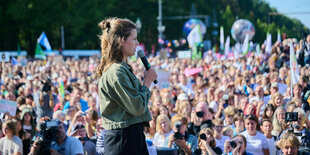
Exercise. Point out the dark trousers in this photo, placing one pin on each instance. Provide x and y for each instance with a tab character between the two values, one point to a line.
130	140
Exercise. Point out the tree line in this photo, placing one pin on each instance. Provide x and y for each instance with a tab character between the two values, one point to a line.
22	21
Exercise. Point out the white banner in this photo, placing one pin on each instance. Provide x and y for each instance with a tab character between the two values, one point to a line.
8	106
163	78
184	54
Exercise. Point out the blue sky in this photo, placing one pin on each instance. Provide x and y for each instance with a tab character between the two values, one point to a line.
287	6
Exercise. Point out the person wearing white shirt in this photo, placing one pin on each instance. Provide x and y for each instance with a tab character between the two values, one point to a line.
267	127
256	141
218	133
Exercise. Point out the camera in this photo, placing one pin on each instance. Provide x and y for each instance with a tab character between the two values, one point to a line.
233	144
291	116
47	134
48	130
178	135
203	136
47	86
200	114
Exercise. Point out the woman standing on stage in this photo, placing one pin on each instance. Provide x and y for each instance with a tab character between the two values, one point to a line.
123	99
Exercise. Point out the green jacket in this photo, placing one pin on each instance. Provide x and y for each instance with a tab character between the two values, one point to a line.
123	100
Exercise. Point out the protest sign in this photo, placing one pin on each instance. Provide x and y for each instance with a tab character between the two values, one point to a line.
8	106
163	78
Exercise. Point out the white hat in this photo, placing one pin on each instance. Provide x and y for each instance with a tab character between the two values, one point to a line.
182	96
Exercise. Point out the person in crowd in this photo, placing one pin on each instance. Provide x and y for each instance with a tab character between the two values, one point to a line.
79	133
218	133
199	116
266	127
70	114
64	144
298	126
76	100
268	112
180	139
207	144
23	135
238	124
10	144
163	130
229	112
278	121
28	121
81	118
100	137
256	141
240	148
277	100
289	144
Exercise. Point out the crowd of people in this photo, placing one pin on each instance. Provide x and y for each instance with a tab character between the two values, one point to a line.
233	106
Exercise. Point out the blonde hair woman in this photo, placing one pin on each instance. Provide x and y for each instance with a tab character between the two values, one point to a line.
163	130
278	121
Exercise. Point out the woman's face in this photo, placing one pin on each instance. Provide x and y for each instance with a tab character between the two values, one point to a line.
250	126
250	109
281	115
6	131
164	125
240	142
27	117
163	110
269	112
239	123
278	101
130	44
186	111
18	126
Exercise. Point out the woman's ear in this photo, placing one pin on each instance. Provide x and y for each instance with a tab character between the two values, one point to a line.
121	41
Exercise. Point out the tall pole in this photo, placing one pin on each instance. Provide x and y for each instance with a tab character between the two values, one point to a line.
62	38
3	67
160	20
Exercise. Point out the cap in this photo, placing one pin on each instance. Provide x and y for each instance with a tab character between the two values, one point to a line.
182	96
275	84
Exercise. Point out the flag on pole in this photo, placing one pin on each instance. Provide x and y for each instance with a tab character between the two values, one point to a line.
227	47
245	46
39	52
257	49
222	38
279	36
14	61
194	36
62	89
42	40
268	44
293	65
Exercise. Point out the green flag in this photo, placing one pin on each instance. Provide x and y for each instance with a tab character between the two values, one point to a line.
39	53
62	89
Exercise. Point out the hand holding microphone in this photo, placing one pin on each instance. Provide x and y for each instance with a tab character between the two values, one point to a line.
150	75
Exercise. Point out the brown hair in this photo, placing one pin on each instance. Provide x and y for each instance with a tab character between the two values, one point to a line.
114	30
11	125
212	142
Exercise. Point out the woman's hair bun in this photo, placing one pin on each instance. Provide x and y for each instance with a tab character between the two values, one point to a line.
105	25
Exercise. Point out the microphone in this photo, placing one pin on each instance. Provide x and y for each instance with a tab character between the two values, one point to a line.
144	61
